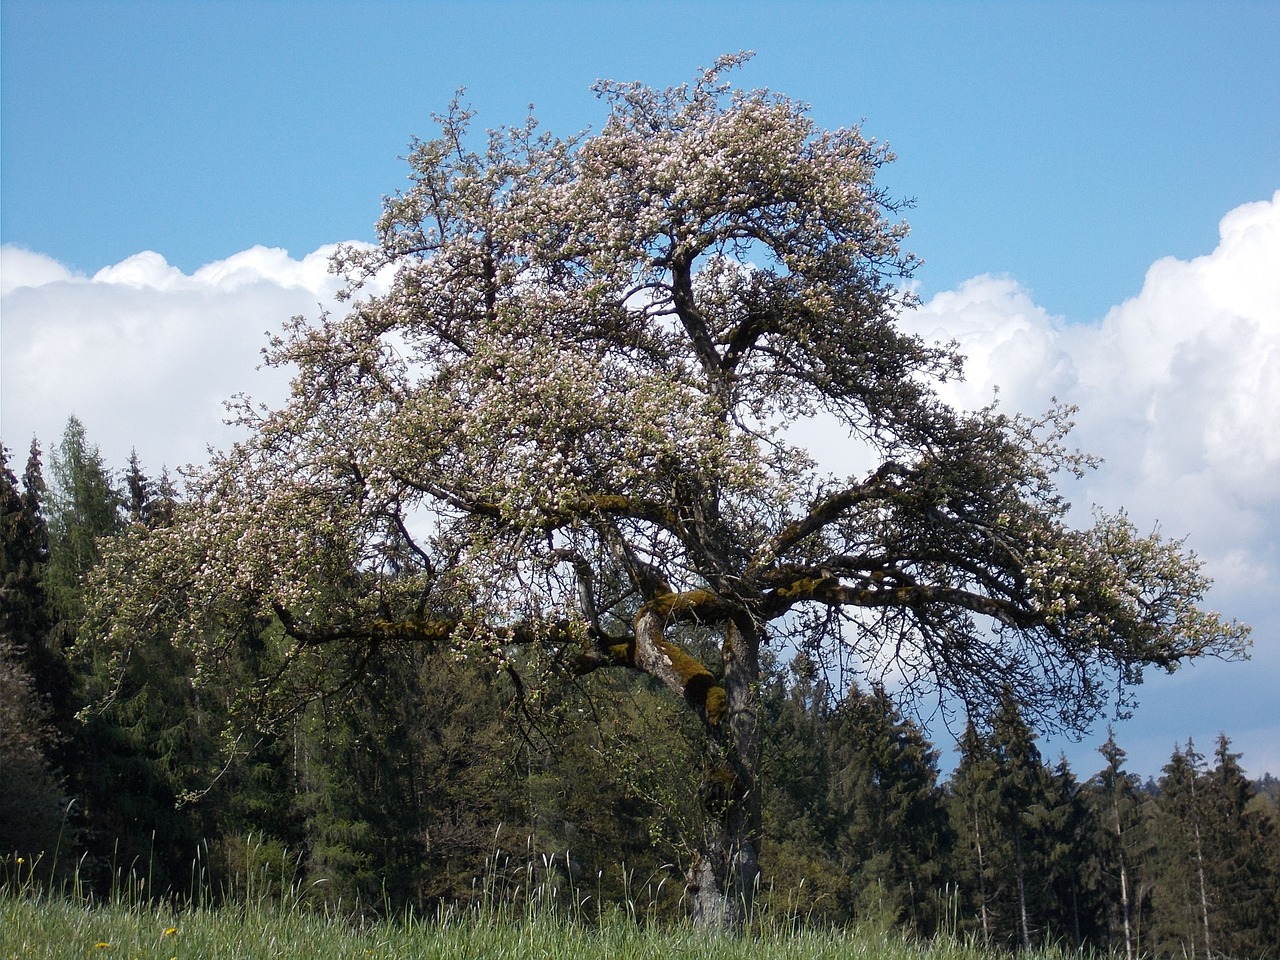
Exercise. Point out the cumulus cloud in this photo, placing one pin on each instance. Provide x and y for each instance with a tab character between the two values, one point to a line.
144	354
24	268
1178	390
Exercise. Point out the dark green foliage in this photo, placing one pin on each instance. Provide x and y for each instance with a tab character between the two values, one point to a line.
1021	849
1115	801
891	836
854	822
1180	888
405	783
31	795
1073	904
83	506
611	808
33	681
1238	840
134	751
26	616
148	502
979	850
803	875
1212	866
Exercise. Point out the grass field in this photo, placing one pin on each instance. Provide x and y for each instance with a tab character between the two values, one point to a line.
44	927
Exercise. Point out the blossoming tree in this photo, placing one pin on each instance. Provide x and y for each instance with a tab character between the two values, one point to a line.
562	439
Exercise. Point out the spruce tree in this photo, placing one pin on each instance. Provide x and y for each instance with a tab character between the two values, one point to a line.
1114	794
129	756
84	506
1065	831
1020	783
1015	822
26	616
803	875
1181	907
979	854
890	831
1246	917
32	681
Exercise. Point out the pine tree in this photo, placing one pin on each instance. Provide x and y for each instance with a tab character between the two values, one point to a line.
1014	822
1180	888
610	809
1246	914
1065	830
890	831
148	502
84	506
31	679
409	785
802	875
128	758
1114	795
979	851
1019	774
26	616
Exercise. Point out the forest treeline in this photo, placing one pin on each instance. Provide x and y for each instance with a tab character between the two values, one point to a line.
422	781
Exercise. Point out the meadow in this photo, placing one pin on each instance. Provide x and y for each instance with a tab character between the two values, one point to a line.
34	927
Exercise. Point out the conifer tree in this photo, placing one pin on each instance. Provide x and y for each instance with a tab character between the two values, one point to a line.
610	811
1180	883
32	680
1015	822
24	550
1065	830
130	756
1118	817
890	828
979	852
1246	913
802	873
1020	787
84	506
26	615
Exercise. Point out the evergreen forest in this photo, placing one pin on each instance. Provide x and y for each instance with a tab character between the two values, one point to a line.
415	780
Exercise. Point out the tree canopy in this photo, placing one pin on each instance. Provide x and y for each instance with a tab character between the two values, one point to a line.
561	442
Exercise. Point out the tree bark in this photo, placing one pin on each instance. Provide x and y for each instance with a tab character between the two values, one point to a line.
722	881
1024	927
1124	882
982	882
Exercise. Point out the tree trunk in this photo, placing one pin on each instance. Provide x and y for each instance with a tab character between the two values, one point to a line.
1199	859
1024	927
722	881
982	882
1124	883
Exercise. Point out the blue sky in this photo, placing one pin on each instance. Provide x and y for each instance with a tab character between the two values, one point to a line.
1033	135
1078	169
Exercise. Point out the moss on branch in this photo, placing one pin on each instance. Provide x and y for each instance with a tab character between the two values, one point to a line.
674	665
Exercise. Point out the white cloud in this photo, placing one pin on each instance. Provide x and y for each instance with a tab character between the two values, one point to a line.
144	354
25	268
1179	391
1178	387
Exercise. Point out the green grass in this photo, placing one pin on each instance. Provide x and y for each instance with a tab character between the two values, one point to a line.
36	926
